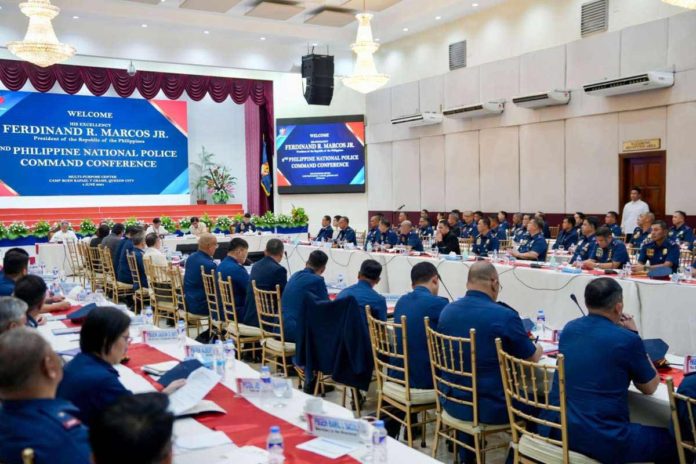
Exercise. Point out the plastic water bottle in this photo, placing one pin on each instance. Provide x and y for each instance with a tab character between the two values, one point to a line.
541	323
181	331
274	446
368	247
230	355
495	256
340	280
56	289
55	272
627	270
266	386
219	358
379	443
553	262
149	316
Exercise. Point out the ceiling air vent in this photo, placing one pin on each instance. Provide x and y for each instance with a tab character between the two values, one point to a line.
594	18
457	55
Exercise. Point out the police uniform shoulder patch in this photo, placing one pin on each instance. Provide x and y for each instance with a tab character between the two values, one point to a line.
71	423
664	252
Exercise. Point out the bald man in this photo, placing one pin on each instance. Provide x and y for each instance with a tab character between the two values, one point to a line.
31	416
641	234
12	313
193	280
479	310
409	237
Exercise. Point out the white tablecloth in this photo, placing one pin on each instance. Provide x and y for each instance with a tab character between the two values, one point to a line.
53	255
256	242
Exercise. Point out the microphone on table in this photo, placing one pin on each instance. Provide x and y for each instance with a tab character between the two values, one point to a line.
445	286
575	300
288	260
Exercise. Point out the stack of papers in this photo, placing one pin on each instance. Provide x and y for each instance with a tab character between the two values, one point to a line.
198	385
209	439
331	449
160	368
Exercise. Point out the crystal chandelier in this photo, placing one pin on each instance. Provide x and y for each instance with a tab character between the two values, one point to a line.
40	45
365	77
690	4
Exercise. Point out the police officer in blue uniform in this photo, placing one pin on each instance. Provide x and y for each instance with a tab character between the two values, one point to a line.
660	251
611	220
534	246
307	283
587	241
124	273
503	225
364	293
479	310
15	264
346	234
31	289
326	232
194	292
268	273
546	231
468	228
245	226
603	355
568	236
425	229
607	253
521	232
30	415
486	242
579	219
387	238
641	234
232	267
373	233
680	232
687	388
408	237
124	247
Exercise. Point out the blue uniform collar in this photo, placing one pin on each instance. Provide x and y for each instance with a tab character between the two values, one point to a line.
364	283
536	235
232	260
36	403
421	289
99	361
478	294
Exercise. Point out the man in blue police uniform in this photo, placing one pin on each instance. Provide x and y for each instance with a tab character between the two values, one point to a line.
425	229
194	292
387	238
468	228
408	237
456	226
233	267
607	253
123	248
611	220
373	233
516	224
422	302
503	225
568	236
521	233
534	246
579	219
660	251
364	293
479	310
680	232
31	289
486	242
686	388
641	234
546	231
124	273
603	355
245	226
445	240
307	283
31	416
496	230
346	234
15	264
268	273
587	241
326	232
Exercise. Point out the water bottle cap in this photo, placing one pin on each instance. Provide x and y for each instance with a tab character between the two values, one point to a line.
265	369
275	429
379	424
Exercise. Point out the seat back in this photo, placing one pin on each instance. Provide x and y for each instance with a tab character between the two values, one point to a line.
268	309
554	231
83	251
133	267
505	244
389	355
177	282
211	294
686	258
448	358
684	404
528	384
229	308
161	290
74	255
107	264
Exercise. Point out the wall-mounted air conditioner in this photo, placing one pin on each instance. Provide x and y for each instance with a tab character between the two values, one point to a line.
540	100
475	111
639	83
420	119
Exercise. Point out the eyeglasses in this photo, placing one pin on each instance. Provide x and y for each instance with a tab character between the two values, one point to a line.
127	338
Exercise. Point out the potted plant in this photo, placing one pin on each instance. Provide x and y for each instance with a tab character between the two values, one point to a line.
168	224
198	174
17	229
220	184
3	231
41	229
223	224
184	225
87	228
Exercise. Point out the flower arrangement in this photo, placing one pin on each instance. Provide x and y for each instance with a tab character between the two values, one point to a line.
41	229
207	220
299	217
17	229
268	220
87	227
168	224
224	223
220	184
184	224
284	220
109	222
133	221
3	231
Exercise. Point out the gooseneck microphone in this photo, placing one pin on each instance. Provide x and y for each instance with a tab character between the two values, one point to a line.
401	207
445	286
575	300
288	260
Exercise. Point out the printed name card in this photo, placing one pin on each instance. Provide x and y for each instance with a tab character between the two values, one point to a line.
689	364
160	336
249	386
334	427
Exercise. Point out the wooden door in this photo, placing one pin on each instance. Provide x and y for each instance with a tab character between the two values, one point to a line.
647	171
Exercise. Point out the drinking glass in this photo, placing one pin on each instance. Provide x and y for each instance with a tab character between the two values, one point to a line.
280	387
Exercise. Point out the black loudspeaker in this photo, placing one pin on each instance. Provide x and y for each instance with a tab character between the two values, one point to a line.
319	72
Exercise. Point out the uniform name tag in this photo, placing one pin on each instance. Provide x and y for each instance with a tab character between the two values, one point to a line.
689	364
249	386
160	336
334	427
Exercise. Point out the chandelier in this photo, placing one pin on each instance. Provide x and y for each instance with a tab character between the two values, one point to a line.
40	45
690	4
365	77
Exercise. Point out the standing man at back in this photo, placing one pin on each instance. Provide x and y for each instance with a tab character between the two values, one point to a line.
267	273
633	209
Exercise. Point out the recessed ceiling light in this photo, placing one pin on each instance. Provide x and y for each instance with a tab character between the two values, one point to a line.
143	25
75	17
474	5
405	29
315	45
377	39
263	38
206	32
437	18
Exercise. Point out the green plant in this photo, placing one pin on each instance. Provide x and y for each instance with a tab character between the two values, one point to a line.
220	183
283	220
223	223
3	231
87	227
184	224
299	217
168	224
266	221
199	170
238	218
17	229
132	221
207	220
41	229
109	222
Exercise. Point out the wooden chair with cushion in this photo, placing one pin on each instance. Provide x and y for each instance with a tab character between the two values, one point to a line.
554	231
198	321
448	359
393	386
528	384
275	350
77	265
686	258
162	296
217	323
683	445
97	279
141	296
112	286
246	338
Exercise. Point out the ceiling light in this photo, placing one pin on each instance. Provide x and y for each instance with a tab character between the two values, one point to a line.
40	45
474	5
365	77
206	32
263	38
75	17
437	18
405	29
143	25
690	4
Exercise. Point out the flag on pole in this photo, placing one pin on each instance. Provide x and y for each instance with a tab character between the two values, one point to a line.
266	181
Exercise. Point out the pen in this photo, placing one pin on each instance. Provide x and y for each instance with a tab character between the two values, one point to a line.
537	339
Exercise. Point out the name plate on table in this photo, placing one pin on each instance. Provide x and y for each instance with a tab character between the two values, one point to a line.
160	336
66	331
249	386
689	364
334	427
138	321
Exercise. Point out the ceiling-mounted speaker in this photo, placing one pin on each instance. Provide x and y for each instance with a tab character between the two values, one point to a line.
319	72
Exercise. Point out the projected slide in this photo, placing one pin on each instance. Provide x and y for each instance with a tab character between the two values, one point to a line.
320	155
52	144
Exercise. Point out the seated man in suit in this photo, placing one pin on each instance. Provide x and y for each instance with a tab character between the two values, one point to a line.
193	280
597	381
373	233
233	267
547	231
568	236
611	221
124	272
659	251
587	241
363	290
346	234
408	237
446	241
641	234
533	247
607	253
386	237
479	310
267	273
680	232
307	283
326	232
486	242
245	226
